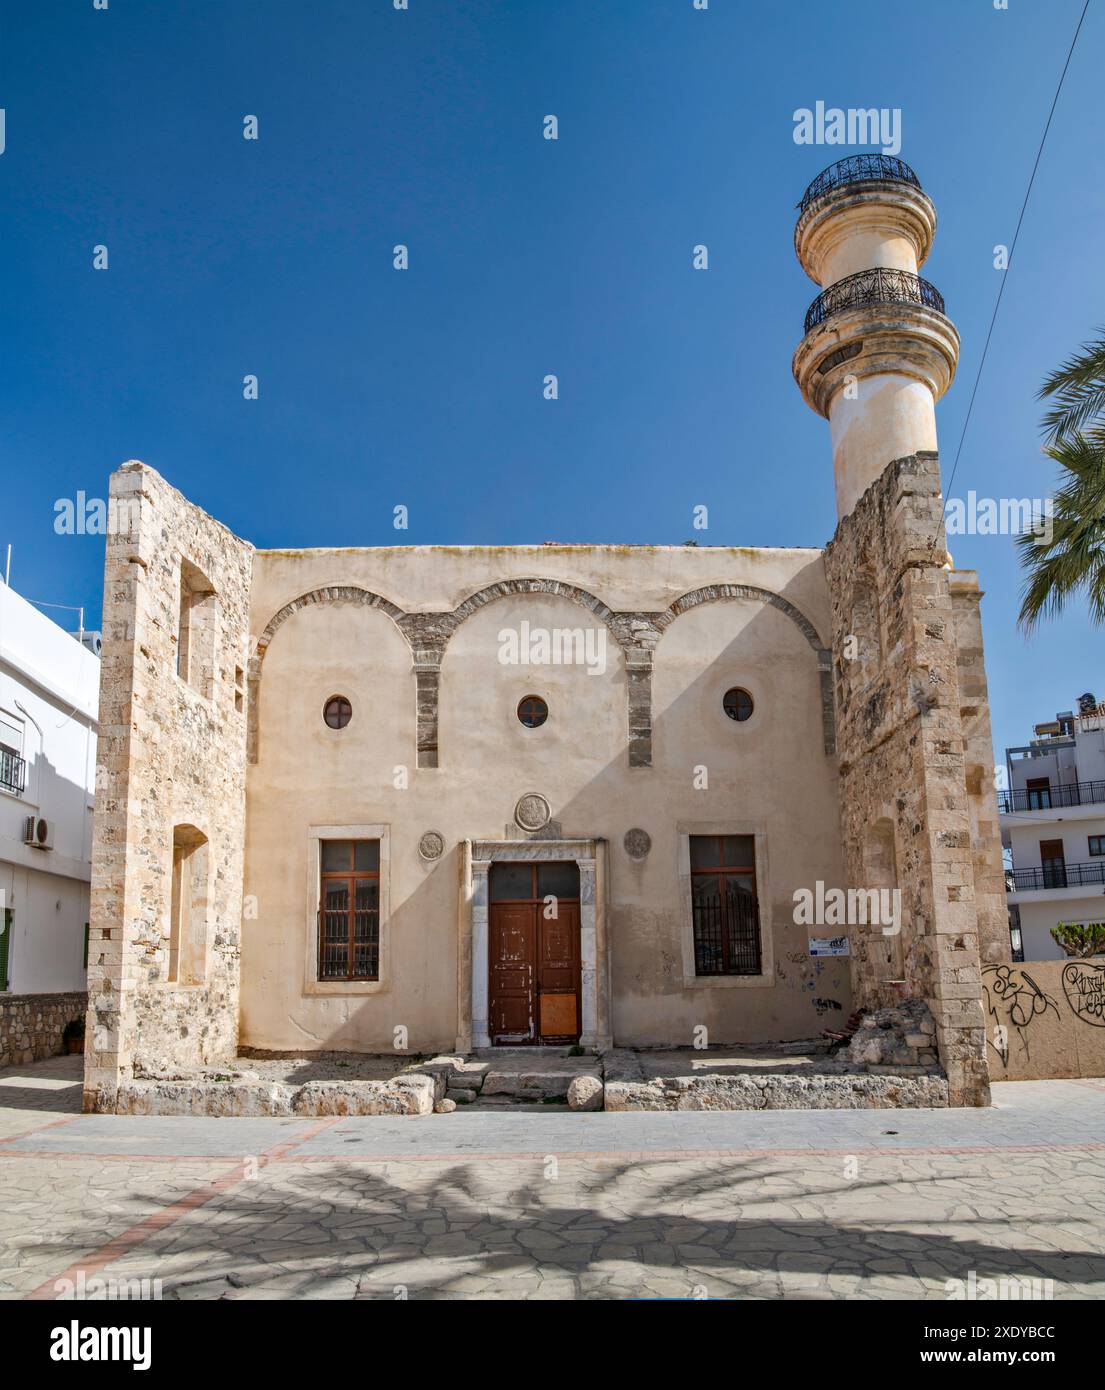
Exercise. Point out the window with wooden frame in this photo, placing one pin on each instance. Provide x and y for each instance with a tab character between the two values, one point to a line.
724	907
532	711
349	910
737	704
1039	793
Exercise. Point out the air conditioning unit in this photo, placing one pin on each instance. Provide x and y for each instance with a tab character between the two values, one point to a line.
38	831
92	641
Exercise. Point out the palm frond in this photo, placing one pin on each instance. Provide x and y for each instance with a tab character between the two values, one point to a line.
1078	388
1072	558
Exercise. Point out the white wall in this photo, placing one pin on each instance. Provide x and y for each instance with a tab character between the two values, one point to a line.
49	686
1058	766
1037	920
1090	749
1070	826
1082	761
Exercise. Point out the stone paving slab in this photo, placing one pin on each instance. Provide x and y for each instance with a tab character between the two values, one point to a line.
762	1227
827	1204
56	1213
159	1136
1027	1115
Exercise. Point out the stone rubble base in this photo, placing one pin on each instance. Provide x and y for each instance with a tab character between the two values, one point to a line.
619	1080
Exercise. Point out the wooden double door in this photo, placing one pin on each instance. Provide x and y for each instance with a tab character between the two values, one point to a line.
533	955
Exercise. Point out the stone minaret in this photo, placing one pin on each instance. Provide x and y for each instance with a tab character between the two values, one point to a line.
878	352
918	811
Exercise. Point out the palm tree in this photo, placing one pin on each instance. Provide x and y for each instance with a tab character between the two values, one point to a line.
1079	390
1072	557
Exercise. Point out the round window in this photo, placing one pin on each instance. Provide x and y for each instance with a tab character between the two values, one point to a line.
737	704
533	711
337	712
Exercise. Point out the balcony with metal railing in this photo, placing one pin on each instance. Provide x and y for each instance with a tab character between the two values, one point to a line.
1055	875
1051	798
13	771
859	168
878	286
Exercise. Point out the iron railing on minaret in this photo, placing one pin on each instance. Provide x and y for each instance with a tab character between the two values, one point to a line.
859	168
877	286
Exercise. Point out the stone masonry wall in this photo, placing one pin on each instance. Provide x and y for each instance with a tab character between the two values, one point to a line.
991	911
171	753
906	817
31	1025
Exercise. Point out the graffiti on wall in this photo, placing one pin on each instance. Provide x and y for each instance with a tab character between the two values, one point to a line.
1084	986
1014	1000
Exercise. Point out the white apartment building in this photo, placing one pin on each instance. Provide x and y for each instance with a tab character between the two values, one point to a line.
49	691
1053	822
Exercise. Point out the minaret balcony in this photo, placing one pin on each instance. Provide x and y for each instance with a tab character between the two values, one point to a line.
877	286
858	168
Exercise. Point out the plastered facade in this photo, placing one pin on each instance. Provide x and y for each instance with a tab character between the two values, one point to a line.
751	626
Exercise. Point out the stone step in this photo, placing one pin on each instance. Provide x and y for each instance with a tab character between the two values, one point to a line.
537	1078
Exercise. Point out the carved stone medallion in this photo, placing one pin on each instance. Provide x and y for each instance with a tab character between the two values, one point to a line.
432	845
533	812
637	843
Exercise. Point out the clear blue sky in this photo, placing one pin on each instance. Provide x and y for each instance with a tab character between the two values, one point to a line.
423	388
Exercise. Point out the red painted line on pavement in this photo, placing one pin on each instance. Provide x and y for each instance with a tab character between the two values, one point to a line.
112	1157
280	1153
36	1129
159	1220
858	1150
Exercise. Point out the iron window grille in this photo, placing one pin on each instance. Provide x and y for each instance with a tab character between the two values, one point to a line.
724	907
349	910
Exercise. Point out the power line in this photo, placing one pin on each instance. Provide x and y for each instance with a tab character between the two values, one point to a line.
1013	247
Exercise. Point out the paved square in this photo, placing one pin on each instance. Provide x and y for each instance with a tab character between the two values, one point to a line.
761	1204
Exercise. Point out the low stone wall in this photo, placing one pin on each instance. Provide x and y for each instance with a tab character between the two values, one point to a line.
617	1080
1045	1019
31	1025
855	1091
230	1095
835	1085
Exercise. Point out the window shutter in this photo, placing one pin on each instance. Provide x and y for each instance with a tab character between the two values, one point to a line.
5	942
